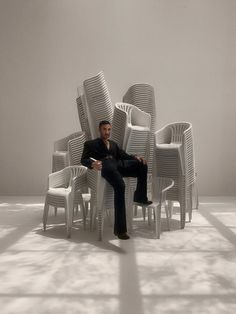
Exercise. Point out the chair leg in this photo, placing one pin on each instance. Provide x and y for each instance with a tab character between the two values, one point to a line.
144	212
170	208
196	195
45	215
86	208
182	215
69	215
77	209
158	221
82	206
100	223
190	202
129	212
149	216
93	215
129	205
167	216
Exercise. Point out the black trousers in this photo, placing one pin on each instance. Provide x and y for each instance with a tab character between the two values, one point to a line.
114	172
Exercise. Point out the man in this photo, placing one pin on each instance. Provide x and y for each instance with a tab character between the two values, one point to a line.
114	163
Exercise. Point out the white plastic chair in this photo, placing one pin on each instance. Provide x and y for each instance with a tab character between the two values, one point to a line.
62	186
174	158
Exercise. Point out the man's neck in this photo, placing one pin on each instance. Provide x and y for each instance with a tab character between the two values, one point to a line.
106	141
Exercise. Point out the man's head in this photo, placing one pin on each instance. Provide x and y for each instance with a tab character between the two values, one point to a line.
105	129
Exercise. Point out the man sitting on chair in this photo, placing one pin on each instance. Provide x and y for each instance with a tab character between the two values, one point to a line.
114	163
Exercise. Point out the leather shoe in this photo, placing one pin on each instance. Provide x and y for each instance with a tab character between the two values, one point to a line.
147	202
122	236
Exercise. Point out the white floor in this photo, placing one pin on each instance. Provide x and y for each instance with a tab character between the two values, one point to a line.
186	271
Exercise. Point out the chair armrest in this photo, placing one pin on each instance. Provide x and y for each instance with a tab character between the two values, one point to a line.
79	182
57	179
165	190
140	118
163	136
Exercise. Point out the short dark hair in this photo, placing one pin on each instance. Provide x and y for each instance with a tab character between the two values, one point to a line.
103	122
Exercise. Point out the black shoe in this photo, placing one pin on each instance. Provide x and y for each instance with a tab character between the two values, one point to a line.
147	202
122	236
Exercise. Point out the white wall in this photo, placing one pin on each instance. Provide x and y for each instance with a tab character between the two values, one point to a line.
185	48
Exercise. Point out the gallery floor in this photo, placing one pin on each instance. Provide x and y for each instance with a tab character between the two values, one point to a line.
186	271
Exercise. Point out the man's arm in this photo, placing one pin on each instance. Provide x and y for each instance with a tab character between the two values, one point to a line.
85	159
123	155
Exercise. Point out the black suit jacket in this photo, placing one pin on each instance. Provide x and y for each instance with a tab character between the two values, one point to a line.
97	149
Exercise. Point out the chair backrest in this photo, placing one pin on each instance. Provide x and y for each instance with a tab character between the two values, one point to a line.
75	149
98	102
177	131
59	178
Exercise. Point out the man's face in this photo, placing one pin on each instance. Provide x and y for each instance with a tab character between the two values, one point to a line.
105	131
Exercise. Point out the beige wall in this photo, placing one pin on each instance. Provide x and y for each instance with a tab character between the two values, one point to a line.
185	48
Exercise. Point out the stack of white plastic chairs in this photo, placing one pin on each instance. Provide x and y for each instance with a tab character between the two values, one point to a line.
60	155
143	97
98	101
174	158
62	187
131	130
169	151
99	107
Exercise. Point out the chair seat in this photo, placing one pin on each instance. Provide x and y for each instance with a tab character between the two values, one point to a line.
139	128
60	153
59	191
169	146
154	204
86	197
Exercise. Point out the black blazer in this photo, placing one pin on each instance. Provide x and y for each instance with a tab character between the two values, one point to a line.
97	149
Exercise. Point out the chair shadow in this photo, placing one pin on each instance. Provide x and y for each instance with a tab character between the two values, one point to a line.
80	235
141	229
56	230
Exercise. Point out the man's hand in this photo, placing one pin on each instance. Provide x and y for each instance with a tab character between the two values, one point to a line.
97	165
141	159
